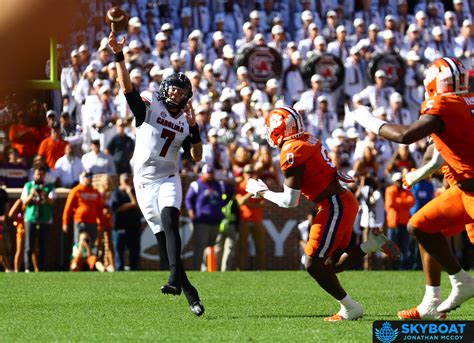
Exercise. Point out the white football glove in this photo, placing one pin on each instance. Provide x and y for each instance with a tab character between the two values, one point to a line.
410	179
255	187
368	120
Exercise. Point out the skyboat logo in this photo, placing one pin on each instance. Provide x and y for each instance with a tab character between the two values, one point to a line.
423	331
386	334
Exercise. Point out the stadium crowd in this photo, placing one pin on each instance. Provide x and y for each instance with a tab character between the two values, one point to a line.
87	128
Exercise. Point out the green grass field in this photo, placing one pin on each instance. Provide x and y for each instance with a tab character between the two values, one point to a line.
240	306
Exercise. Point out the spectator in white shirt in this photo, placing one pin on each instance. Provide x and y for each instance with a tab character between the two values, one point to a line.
244	109
421	23
359	31
84	86
175	67
194	47
278	39
319	47
391	25
310	97
378	95
339	47
254	18
293	83
413	41
68	168
135	33
168	30
233	19
464	45
71	133
329	31
303	31
396	113
324	120
247	38
269	95
413	81
404	18
98	162
228	75
160	55
450	27
438	47
215	50
461	11
243	79
156	76
355	79
184	28
389	42
306	45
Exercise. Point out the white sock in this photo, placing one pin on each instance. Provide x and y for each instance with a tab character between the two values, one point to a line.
433	291
460	276
432	294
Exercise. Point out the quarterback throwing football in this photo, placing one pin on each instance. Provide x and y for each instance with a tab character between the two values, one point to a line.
165	122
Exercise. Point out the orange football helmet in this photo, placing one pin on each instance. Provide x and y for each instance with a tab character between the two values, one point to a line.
446	75
283	123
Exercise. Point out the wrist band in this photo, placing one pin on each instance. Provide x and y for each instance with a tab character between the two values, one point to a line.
194	134
119	57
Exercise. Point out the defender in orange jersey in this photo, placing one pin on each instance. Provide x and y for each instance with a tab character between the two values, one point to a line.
447	115
309	171
427	308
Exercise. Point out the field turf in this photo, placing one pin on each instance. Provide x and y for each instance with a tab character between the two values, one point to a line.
284	306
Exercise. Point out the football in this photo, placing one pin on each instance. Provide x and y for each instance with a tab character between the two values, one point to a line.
116	19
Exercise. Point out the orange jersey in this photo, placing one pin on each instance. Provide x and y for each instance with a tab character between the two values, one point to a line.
455	142
319	171
85	204
52	150
249	212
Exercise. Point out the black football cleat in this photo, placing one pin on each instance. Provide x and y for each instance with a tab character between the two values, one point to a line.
170	289
197	308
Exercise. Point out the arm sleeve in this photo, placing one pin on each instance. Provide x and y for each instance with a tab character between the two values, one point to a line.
288	198
186	145
423	172
137	105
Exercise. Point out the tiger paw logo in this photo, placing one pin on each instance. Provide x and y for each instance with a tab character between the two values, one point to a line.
275	121
386	334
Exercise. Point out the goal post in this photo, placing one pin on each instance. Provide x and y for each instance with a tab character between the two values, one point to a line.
53	82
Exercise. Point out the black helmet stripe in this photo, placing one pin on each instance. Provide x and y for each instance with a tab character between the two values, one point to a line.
455	72
296	117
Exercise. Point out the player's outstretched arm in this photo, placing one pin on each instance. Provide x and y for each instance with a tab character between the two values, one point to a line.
290	197
434	162
122	73
405	134
195	136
